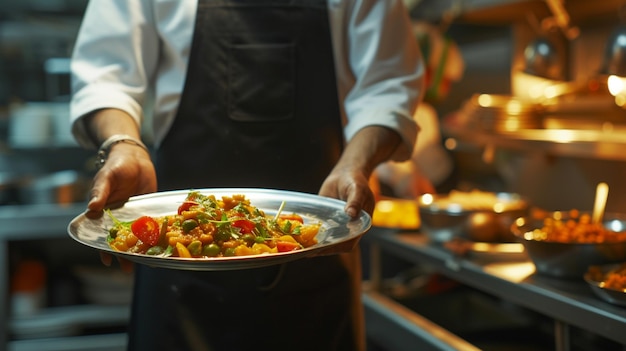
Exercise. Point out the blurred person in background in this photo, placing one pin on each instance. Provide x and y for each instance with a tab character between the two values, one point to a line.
430	168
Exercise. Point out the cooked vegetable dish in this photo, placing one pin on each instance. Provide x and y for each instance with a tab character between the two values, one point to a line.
576	228
614	279
205	226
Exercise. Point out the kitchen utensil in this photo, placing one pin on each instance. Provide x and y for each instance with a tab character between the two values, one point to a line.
568	259
339	233
602	192
476	215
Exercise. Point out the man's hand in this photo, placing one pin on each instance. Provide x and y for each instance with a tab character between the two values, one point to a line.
128	171
349	180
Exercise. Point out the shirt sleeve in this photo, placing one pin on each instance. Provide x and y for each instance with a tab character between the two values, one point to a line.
387	68
115	51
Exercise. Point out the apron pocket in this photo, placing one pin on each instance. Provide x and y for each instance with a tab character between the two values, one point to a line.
261	80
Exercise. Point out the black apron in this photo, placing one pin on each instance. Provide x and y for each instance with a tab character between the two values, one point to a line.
259	109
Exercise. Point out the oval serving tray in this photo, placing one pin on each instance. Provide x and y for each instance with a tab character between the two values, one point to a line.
339	233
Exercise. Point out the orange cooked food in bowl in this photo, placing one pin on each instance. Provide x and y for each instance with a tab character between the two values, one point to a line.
575	227
566	243
614	279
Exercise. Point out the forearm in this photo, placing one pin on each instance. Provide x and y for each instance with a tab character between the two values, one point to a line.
368	148
104	123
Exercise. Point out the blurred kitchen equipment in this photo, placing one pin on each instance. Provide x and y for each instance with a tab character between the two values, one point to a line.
615	53
30	125
602	192
28	288
63	187
560	19
568	259
541	58
105	286
8	188
396	213
477	216
502	113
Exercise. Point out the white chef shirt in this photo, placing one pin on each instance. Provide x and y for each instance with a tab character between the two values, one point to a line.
125	48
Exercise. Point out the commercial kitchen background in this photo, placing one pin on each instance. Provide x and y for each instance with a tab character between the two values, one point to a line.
44	174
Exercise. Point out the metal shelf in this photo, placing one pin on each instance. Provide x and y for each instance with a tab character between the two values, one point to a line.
567	302
593	144
108	342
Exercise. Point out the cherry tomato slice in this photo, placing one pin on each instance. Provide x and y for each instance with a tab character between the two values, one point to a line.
185	206
292	217
245	226
146	229
285	246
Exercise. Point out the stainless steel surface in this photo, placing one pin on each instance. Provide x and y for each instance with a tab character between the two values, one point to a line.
569	301
399	328
569	260
338	232
443	221
595	277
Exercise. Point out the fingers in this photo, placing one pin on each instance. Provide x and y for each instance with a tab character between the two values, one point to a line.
99	193
360	198
353	189
106	258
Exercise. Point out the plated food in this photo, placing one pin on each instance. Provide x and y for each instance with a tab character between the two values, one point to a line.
208	226
336	231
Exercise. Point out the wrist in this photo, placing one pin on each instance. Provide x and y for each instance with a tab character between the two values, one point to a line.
105	147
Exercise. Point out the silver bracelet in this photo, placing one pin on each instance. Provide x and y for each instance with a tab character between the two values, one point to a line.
105	148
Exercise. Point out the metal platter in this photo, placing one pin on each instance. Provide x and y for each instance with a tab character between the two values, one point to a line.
339	233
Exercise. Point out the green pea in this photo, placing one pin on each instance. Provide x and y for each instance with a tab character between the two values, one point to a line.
229	252
211	250
222	235
248	238
189	224
154	250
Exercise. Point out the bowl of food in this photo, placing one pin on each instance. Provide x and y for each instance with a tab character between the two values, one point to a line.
608	282
565	243
474	215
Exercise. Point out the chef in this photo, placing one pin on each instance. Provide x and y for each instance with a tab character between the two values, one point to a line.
302	95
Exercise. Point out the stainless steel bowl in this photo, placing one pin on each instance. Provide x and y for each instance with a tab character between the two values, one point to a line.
596	276
476	216
568	259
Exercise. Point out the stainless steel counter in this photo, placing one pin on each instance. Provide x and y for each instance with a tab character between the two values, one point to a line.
567	302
